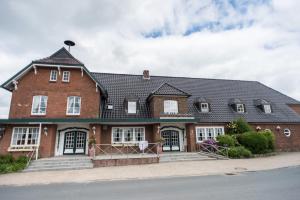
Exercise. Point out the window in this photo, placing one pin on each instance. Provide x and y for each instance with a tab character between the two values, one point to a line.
53	75
39	105
287	132
204	133
25	137
267	108
240	108
66	76
128	134
73	105
204	107
170	107
131	107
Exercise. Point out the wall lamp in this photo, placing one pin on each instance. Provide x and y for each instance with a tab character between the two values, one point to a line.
94	130
46	130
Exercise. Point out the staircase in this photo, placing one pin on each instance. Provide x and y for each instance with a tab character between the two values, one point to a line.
183	156
60	163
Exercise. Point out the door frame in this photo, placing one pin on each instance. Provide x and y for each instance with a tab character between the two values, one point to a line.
181	136
75	140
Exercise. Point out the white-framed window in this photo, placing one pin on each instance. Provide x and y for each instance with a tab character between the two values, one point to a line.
132	107
204	133
170	107
127	134
204	107
73	105
53	75
25	136
267	108
287	132
66	76
240	108
39	105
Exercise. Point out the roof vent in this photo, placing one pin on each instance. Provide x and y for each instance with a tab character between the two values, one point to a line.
109	107
146	75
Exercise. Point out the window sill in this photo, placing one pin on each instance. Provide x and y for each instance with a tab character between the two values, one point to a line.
125	144
21	148
38	115
68	115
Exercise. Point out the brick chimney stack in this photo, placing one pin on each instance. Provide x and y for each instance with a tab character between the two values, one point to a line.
146	75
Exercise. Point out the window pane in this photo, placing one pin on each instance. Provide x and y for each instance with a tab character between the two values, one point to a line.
117	135
210	133
73	105
53	75
128	134
39	104
139	134
218	131
204	107
132	107
240	108
170	107
267	108
200	134
35	104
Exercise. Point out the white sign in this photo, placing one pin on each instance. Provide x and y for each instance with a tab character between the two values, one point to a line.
143	145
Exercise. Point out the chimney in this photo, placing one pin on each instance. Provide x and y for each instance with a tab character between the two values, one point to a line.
146	75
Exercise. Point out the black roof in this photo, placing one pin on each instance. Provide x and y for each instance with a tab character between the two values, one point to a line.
219	92
168	89
62	56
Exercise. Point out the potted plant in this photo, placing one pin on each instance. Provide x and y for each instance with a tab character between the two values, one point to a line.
160	142
92	142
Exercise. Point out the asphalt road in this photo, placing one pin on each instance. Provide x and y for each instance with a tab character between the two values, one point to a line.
281	184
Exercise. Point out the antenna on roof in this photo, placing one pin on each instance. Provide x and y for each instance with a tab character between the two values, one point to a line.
69	43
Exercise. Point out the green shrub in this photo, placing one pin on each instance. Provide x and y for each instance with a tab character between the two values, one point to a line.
270	137
255	142
239	152
226	141
9	164
6	159
238	126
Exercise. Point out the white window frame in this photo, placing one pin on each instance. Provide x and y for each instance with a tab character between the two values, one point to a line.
240	108
205	133
205	110
68	104
53	75
170	107
68	76
131	107
134	136
26	137
287	132
267	108
39	105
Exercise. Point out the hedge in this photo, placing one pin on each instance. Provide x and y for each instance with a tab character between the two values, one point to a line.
226	141
257	143
9	164
239	152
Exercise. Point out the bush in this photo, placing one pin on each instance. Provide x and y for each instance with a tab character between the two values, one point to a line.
270	137
9	164
238	126
255	142
226	140
239	152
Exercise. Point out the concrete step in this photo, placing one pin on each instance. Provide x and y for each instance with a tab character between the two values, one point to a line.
176	157
60	163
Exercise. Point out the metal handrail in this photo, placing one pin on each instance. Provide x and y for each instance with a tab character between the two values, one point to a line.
213	148
30	156
125	149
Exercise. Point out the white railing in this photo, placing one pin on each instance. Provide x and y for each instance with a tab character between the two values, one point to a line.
212	149
126	150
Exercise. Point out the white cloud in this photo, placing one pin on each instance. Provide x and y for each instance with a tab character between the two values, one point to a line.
109	37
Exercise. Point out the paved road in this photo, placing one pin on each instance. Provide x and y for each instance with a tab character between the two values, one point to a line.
281	184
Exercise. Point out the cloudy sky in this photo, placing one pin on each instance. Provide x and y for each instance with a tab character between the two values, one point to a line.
229	39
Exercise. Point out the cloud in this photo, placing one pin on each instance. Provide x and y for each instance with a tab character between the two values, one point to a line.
252	40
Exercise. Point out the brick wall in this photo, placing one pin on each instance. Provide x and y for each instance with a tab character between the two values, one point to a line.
38	84
157	105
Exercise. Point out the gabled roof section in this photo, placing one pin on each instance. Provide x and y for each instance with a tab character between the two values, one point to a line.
61	57
168	89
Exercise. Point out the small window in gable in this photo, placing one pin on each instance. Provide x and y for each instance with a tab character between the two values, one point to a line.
240	108
170	107
267	108
53	75
263	105
204	107
132	107
66	76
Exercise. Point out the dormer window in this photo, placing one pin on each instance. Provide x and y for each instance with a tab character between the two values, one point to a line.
263	105
131	107
240	108
66	76
170	107
237	105
204	107
53	75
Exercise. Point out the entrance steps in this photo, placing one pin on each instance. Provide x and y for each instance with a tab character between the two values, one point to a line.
183	156
60	163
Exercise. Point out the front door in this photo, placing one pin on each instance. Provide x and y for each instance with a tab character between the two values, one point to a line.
171	138
75	142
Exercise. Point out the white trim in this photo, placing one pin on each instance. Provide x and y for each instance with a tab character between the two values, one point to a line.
206	110
205	132
268	110
132	108
73	114
170	107
177	118
39	108
25	146
122	136
287	132
242	108
182	139
56	74
63	76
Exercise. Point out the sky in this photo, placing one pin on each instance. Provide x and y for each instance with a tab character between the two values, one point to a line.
255	40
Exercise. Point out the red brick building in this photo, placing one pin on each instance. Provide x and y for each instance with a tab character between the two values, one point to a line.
57	104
